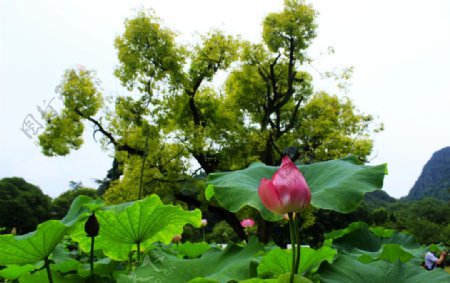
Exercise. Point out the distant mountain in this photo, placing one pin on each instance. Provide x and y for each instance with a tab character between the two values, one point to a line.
435	178
378	198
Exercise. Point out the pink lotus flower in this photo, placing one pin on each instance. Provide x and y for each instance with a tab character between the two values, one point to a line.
204	223
247	223
287	191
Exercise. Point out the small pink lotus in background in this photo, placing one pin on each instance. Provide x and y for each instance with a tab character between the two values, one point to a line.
287	191
204	223
247	223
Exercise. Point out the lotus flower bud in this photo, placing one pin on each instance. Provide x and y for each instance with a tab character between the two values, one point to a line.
92	227
287	191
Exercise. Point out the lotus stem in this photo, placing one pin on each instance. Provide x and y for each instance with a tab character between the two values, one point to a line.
297	239
293	245
47	267
138	252
92	257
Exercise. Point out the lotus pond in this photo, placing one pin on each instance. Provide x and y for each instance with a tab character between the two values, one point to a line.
133	242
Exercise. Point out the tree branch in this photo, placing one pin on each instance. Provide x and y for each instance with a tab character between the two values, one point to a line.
110	137
273	78
291	76
291	124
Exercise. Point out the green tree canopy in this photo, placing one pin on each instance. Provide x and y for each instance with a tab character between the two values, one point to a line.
176	121
427	219
22	205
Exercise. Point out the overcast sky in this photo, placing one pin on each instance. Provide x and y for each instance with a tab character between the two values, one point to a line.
400	51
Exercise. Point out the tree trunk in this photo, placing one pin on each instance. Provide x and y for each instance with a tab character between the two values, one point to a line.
265	229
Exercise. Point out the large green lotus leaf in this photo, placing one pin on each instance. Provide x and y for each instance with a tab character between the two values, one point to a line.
81	207
32	247
41	276
405	240
382	232
355	236
103	267
284	278
191	250
368	244
391	253
66	266
349	269
359	236
133	215
233	263
13	271
338	185
115	250
259	280
202	280
279	261
144	221
394	252
335	234
388	252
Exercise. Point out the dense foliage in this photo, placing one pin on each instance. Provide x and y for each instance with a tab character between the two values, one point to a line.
175	117
132	241
22	205
427	219
176	122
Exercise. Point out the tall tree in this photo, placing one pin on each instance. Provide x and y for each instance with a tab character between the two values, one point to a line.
269	86
176	121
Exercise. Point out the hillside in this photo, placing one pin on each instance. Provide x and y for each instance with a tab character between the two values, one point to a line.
434	181
378	198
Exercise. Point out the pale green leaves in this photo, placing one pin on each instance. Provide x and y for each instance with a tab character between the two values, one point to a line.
147	53
292	29
338	185
61	135
123	226
216	52
335	127
82	99
32	247
81	93
145	220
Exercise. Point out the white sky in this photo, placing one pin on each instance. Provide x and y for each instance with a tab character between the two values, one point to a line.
400	51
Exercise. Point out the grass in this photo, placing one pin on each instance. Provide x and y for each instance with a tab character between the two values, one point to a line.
447	268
